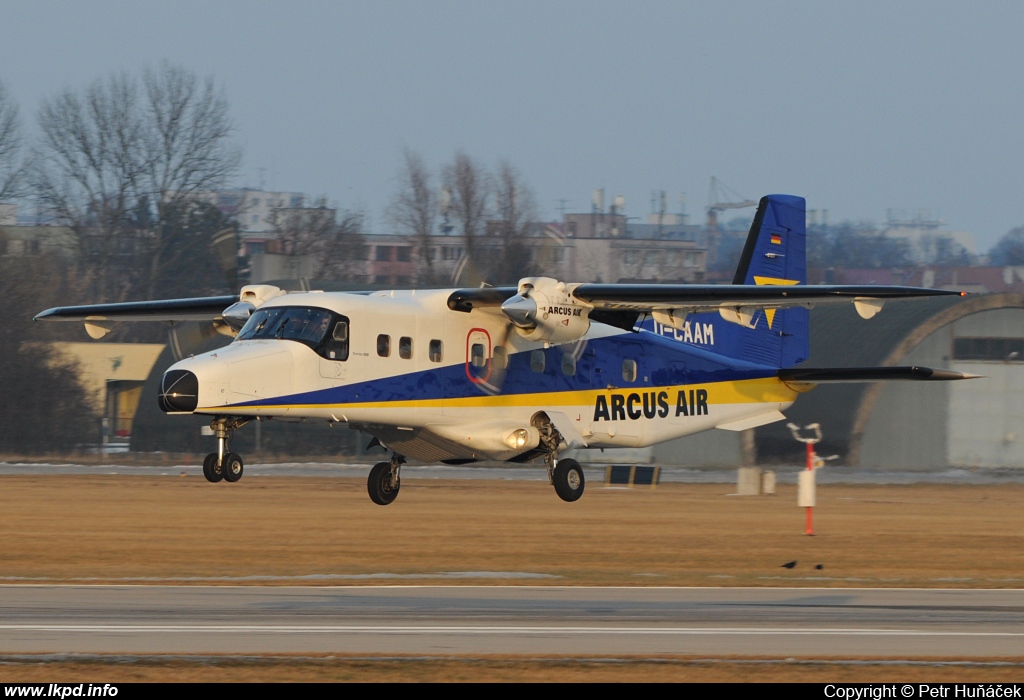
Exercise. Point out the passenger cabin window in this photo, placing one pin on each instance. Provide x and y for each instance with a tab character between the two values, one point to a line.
500	359
436	351
568	364
537	361
405	347
477	358
383	345
629	370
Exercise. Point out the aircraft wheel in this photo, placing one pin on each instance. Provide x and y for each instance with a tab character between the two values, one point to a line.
379	484
568	478
232	467
211	470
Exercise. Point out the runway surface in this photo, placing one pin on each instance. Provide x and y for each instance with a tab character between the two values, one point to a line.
432	620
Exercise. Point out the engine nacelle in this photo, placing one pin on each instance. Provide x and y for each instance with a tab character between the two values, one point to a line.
544	310
251	298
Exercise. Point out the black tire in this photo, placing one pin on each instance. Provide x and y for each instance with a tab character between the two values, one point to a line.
379	484
211	470
232	467
568	478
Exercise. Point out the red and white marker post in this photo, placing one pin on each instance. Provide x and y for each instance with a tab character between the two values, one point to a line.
806	489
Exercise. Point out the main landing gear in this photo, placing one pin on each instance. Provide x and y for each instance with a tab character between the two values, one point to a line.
384	482
224	464
566	475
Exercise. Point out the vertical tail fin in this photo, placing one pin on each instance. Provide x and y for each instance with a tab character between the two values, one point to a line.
776	245
776	254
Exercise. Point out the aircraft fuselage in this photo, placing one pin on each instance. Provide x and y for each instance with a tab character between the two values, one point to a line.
452	385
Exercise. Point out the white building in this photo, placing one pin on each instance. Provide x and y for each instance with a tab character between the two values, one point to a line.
254	211
8	214
926	242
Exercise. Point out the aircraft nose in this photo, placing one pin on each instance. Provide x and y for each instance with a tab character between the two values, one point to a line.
179	391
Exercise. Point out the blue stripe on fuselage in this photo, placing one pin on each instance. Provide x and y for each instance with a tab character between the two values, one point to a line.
660	362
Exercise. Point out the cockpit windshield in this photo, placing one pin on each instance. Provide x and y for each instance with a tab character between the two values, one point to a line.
306	325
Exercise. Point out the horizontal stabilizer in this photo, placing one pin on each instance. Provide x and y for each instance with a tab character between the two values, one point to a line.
869	374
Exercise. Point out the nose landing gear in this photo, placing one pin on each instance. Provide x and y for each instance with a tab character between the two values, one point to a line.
224	464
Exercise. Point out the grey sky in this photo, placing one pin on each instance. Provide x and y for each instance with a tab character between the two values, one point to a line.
859	107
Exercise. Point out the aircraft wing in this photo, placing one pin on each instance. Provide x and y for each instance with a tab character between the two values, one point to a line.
194	309
619	304
712	297
700	297
97	317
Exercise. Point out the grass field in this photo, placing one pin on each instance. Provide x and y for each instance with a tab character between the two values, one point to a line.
325	530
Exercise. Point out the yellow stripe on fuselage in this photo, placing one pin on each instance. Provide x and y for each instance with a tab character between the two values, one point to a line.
764	390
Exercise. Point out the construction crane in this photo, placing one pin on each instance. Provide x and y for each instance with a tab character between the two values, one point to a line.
719	245
716	195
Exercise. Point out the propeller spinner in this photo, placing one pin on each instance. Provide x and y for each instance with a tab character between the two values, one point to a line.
545	310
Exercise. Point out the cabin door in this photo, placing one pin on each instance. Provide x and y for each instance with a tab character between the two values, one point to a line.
479	364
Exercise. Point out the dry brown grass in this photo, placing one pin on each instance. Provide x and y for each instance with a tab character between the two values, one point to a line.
109	528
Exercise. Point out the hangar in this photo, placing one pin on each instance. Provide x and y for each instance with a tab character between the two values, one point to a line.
905	425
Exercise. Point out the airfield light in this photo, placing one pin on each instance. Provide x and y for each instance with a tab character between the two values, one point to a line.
806	490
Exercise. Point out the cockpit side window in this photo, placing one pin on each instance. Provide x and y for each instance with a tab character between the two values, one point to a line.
335	346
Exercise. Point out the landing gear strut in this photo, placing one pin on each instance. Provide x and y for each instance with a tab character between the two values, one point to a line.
566	475
383	482
224	464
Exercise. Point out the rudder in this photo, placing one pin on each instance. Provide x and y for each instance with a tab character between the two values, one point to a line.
776	254
776	246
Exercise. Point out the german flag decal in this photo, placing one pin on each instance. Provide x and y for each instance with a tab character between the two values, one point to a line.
776	239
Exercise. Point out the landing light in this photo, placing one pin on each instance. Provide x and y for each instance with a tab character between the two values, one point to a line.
518	439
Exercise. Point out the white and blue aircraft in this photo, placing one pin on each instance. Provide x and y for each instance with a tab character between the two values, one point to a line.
519	373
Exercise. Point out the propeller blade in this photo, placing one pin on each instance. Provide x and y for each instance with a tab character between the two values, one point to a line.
499	364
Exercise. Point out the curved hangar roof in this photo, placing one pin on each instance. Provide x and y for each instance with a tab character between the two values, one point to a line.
905	332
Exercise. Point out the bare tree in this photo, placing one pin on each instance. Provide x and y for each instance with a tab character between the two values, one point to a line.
10	148
344	249
52	411
185	146
335	246
1009	250
117	162
414	211
200	254
516	212
85	171
469	186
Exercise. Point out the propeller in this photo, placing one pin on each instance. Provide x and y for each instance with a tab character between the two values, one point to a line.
542	310
500	356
